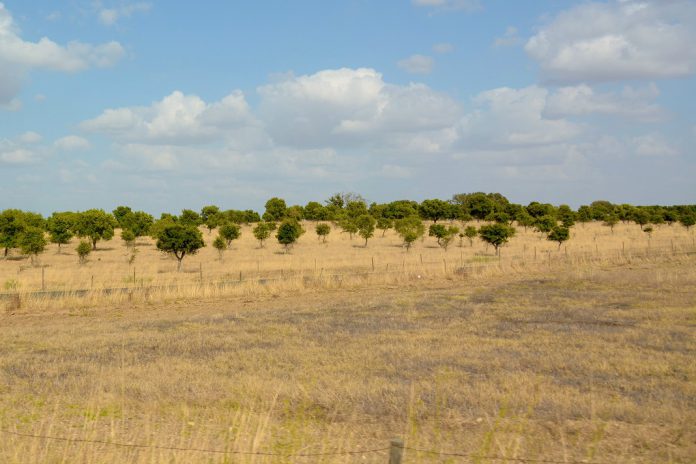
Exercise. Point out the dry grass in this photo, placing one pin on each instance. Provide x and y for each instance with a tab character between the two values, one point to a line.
588	358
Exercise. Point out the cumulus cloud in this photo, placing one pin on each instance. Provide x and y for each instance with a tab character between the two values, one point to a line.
507	117
17	56
580	100
30	137
349	107
15	152
653	145
417	64
176	119
72	143
620	39
110	16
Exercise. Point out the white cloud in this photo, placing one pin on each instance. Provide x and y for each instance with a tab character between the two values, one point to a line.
580	100
653	145
110	16
620	39
465	5
397	172
443	48
72	143
417	64
507	117
351	107
509	39
176	119
17	56
30	137
14	152
13	105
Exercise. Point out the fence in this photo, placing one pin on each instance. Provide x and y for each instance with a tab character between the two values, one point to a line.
318	276
395	451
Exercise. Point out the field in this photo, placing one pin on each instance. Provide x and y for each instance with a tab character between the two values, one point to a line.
580	354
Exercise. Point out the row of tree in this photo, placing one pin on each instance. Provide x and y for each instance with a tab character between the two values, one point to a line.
180	235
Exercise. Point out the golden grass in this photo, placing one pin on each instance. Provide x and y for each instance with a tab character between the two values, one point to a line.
588	357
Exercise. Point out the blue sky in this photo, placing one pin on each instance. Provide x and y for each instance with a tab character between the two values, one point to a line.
170	105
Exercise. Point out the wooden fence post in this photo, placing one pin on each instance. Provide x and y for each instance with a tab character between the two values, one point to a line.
43	280
396	451
373	264
200	271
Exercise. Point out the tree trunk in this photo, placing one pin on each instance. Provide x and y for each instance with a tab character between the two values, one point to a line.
178	263
94	244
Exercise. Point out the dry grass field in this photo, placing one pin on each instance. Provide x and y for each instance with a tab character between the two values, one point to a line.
583	354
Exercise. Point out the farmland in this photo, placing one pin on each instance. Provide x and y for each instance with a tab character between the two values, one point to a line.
583	352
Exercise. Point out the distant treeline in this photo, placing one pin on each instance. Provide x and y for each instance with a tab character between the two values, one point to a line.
18	227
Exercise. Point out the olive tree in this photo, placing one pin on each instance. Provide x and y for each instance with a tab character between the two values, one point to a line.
83	250
262	231
384	224
288	232
410	229
11	228
471	232
366	226
180	240
220	244
95	225
322	231
559	234
59	228
32	242
496	235
229	232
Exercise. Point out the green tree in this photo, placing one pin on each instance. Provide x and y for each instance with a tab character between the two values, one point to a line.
524	219
189	217
289	232
229	232
275	209
295	212
496	235
138	222
120	213
410	229
545	223
180	240
95	225
559	234
322	231
262	231
348	225
32	242
687	220
59	227
83	250
209	211
366	226
128	236
610	221
471	232
384	224
566	216
435	209
220	244
11	227
641	217
315	211
439	231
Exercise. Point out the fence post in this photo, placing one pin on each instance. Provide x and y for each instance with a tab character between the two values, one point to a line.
200	271
43	280
396	451
373	264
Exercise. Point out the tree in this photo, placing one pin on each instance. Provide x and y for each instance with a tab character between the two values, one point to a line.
180	240
83	250
275	209
559	234
384	224
32	242
59	228
96	225
120	213
496	235
435	210
11	227
410	229
566	216
687	220
524	219
138	222
189	217
478	204
545	223
641	217
349	226
438	231
315	211
610	221
262	231
209	211
288	232
230	232
220	244
366	226
537	210
322	231
128	236
295	212
471	232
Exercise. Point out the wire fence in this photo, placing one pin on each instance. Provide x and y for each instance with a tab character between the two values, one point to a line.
395	449
307	277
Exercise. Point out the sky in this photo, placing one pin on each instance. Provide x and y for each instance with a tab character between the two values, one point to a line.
164	105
